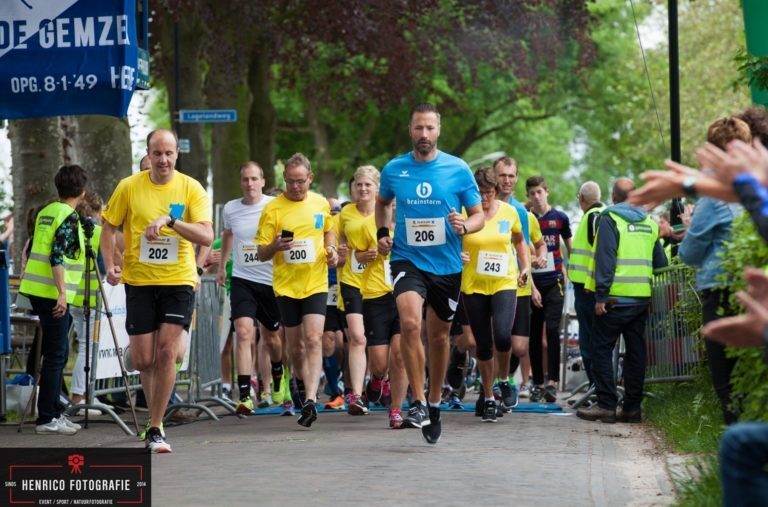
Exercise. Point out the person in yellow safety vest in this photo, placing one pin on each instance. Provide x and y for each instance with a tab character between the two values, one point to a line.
89	209
620	274
582	251
53	272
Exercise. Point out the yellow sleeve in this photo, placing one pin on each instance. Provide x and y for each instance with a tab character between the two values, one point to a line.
117	207
267	226
327	218
200	209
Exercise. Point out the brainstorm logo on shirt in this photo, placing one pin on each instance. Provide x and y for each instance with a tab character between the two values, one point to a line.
504	227
318	220
424	190
177	210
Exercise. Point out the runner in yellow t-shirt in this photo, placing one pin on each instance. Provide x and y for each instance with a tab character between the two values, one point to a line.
488	288
295	231
352	239
382	328
162	212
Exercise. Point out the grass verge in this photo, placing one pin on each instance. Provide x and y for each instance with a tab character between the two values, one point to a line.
688	415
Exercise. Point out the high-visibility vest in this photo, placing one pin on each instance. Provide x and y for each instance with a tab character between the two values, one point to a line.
581	251
634	258
38	276
80	296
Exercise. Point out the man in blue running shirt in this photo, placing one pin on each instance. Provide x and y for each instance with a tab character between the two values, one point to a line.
430	188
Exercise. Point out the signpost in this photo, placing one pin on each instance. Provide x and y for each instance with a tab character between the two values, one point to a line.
207	115
67	57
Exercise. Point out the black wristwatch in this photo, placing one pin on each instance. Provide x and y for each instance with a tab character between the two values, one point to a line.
199	271
689	186
172	221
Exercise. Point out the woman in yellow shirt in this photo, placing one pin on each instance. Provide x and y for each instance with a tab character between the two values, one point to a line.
489	283
382	329
352	235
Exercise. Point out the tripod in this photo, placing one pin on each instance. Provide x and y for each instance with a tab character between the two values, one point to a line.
92	266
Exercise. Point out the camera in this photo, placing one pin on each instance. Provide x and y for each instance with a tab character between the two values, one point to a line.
88	224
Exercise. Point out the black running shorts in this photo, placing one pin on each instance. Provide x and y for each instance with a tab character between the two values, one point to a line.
353	300
293	310
148	306
255	300
441	292
522	325
380	320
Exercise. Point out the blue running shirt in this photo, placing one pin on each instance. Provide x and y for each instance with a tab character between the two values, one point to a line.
424	194
523	214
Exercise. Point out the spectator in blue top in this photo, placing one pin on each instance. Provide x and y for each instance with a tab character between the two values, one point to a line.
709	230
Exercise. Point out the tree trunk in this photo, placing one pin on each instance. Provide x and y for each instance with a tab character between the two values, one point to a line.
262	120
36	156
326	175
104	151
229	149
191	38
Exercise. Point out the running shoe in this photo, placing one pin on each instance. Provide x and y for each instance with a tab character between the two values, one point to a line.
336	403
226	393
155	441
386	393
308	414
537	393
497	391
266	401
396	420
525	391
550	394
454	403
288	408
479	404
143	434
374	390
417	415
489	411
127	359
54	427
509	396
245	407
431	432
357	406
69	424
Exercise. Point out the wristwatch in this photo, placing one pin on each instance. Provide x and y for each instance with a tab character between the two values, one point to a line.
199	271
689	188
172	222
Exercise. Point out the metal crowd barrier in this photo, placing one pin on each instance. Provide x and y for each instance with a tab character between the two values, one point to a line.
673	326
670	333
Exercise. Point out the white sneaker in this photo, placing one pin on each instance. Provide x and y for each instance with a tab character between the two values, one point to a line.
155	442
55	427
65	420
127	359
92	412
525	391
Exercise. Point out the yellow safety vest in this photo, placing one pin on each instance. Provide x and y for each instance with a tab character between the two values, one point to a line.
38	276
80	296
581	251
634	259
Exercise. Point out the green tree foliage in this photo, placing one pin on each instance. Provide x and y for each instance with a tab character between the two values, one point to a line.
750	375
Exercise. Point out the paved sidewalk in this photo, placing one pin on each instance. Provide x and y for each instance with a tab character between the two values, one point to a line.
523	460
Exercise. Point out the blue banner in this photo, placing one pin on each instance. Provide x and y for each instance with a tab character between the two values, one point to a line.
61	57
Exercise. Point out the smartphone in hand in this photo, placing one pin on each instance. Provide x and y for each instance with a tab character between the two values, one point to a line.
286	234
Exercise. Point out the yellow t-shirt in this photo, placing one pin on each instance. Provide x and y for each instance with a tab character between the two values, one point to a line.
377	277
535	233
135	203
492	263
351	224
301	271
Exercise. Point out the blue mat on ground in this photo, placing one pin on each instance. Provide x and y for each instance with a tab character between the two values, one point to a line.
535	408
